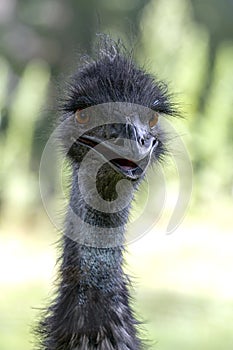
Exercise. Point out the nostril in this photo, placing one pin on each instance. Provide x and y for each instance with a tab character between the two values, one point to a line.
155	143
141	141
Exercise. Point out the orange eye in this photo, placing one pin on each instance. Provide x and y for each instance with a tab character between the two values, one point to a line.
82	117
154	120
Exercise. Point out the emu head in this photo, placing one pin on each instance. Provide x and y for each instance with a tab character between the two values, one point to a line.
115	109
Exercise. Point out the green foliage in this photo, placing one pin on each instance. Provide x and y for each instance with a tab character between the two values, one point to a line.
213	149
181	53
19	184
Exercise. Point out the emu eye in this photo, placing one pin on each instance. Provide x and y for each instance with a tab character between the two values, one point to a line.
82	117
154	120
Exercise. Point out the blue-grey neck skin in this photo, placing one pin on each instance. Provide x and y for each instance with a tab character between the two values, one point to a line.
98	209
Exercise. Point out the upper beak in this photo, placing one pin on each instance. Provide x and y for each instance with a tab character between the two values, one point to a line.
130	150
132	143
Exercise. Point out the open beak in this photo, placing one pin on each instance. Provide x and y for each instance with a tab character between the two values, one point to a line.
129	155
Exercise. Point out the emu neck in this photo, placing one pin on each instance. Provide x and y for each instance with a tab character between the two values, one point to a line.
91	310
94	235
94	286
98	209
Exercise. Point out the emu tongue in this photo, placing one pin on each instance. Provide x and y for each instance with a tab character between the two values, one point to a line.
125	164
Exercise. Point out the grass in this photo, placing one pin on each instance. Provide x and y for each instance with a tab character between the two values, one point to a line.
18	315
183	322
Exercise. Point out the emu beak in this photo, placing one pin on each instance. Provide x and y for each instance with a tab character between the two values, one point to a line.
129	153
136	143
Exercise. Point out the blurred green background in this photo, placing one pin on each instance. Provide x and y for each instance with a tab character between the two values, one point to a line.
183	281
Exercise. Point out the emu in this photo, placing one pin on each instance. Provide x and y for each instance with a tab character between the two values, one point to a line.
111	134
